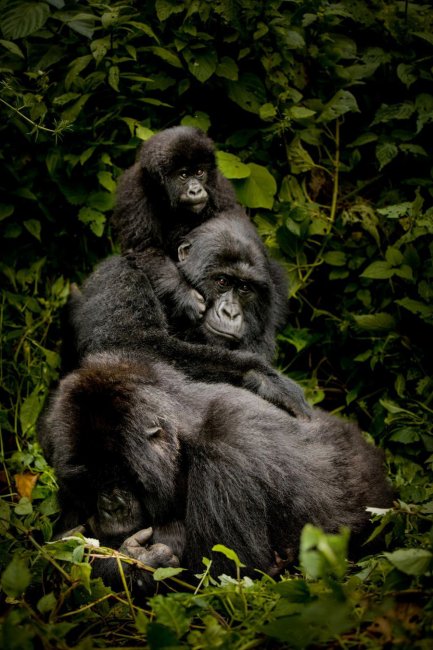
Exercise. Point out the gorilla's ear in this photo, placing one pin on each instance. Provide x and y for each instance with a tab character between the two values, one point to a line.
183	251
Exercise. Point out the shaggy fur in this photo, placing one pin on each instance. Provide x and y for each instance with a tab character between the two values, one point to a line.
117	308
230	467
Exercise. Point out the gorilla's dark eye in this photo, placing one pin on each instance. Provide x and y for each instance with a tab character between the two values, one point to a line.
222	281
199	172
244	288
183	175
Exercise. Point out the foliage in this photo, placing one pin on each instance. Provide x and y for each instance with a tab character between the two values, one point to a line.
322	113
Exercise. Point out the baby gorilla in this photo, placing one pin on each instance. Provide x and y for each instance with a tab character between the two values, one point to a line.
173	186
203	465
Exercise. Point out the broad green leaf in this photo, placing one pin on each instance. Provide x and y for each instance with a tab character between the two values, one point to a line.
199	120
23	18
163	573
24	506
142	27
393	256
171	614
300	112
363	139
248	92
47	603
259	189
231	166
30	409
267	112
34	228
71	114
227	68
93	218
412	561
298	157
396	211
165	8
106	180
16	577
229	553
201	65
342	102
387	113
100	47
113	77
6	210
83	23
322	554
379	270
101	201
416	307
335	258
407	74
81	571
167	56
12	47
381	321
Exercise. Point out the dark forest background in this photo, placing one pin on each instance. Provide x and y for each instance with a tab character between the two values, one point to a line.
322	113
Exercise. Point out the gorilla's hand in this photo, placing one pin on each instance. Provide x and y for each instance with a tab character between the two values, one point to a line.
154	555
279	390
193	305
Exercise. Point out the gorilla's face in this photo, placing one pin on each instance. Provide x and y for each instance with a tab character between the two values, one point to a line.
186	189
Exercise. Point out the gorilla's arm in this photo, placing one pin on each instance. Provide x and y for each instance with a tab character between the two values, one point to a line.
179	298
119	309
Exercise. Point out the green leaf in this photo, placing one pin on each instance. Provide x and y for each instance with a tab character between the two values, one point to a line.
342	102
201	65
199	120
93	218
167	56
227	68
113	77
30	409
101	201
335	258
24	18
407	74
171	614
162	573
416	307
71	114
12	47
379	270
106	180
34	228
300	112
267	112
412	561
248	92
259	189
393	256
299	159
81	22
396	211
387	113
229	553
232	166
165	8
47	603
381	321
6	210
82	571
322	554
16	577
24	507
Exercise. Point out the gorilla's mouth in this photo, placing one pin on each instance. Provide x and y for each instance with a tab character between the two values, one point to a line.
196	206
223	333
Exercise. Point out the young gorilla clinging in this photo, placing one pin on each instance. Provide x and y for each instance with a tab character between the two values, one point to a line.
173	187
118	308
206	465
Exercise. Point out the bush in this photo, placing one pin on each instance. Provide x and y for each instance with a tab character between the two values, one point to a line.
322	113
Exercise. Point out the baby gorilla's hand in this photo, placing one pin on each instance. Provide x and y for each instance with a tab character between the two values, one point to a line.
279	390
154	555
194	305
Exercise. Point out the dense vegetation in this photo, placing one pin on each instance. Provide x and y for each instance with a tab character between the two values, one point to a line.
323	116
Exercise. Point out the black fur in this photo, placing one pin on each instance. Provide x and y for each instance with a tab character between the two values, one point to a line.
117	308
221	464
150	216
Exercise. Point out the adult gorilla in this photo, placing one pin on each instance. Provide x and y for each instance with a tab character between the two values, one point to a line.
202	465
117	308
